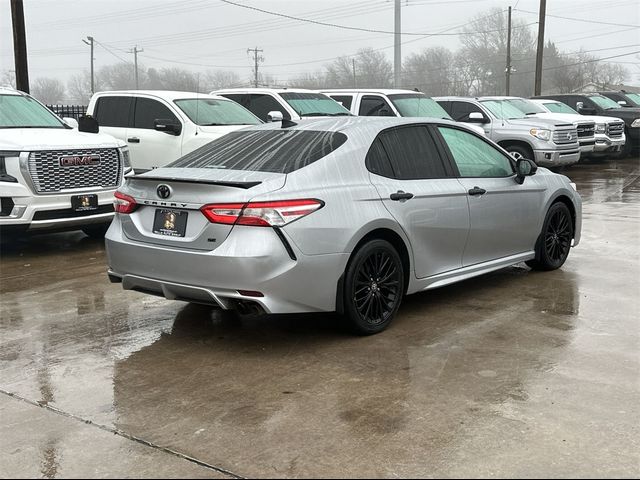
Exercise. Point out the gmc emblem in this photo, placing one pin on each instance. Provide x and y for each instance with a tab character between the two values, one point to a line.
77	160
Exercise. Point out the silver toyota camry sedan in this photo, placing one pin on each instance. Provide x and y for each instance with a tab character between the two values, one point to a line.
342	214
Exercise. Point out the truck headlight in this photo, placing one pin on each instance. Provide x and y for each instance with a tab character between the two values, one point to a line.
636	123
4	176
601	128
540	133
126	159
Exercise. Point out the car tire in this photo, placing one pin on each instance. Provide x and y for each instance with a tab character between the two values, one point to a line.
96	231
520	151
554	242
373	287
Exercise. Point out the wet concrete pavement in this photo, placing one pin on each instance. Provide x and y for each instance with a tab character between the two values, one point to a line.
516	373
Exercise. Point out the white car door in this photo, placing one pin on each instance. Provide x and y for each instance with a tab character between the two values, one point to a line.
149	147
112	114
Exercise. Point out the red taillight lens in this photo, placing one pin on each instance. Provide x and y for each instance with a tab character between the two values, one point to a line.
124	203
261	214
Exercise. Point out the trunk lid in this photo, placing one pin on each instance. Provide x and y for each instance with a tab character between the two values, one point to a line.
188	190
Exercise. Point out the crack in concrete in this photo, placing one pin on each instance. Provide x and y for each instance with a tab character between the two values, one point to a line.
120	433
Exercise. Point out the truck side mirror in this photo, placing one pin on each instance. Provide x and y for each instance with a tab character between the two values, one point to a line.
477	117
167	126
88	124
275	116
622	103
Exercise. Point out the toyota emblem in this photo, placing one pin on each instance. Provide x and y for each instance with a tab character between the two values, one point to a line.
163	191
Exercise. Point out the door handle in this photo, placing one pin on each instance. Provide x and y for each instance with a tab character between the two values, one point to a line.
400	195
477	191
133	140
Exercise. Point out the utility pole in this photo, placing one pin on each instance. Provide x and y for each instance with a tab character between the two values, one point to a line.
538	84
20	46
397	58
90	43
135	52
508	69
256	58
353	62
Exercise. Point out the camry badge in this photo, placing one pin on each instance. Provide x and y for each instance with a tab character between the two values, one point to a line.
163	191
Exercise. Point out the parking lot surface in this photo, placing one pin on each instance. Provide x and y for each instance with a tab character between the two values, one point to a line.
512	374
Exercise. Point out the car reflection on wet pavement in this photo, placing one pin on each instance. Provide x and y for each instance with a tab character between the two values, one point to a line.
516	373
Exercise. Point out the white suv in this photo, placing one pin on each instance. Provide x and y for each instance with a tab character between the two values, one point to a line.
51	175
162	126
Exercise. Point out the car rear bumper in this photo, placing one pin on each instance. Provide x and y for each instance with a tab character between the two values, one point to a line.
251	259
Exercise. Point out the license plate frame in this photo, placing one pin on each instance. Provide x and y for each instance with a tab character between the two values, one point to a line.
170	223
84	203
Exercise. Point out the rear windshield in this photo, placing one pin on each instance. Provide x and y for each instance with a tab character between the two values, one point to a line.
277	151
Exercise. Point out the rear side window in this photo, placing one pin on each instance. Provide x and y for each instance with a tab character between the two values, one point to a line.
148	110
277	151
413	153
259	104
113	111
377	160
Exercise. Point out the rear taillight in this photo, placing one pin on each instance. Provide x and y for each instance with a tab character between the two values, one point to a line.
124	203
261	214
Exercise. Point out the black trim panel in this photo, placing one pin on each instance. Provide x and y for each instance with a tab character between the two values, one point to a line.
245	185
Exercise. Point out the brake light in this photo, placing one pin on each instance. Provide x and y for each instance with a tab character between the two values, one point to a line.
124	203
261	214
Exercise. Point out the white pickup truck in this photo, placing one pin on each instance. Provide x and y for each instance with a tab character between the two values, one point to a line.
161	126
51	175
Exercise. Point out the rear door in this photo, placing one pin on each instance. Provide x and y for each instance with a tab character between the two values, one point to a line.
421	193
113	114
150	148
504	215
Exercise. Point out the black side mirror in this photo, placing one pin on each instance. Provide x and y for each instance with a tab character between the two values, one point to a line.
88	124
525	168
167	126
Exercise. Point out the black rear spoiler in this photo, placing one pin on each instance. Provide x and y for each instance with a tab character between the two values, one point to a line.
245	185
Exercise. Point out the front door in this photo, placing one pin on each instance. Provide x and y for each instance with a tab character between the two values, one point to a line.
505	216
421	193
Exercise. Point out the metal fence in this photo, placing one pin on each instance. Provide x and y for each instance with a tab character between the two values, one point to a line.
73	111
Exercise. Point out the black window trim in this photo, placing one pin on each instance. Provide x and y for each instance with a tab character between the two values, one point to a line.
486	113
449	155
376	96
129	124
134	103
446	161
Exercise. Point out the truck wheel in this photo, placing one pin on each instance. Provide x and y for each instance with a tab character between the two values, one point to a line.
554	242
520	151
374	286
96	231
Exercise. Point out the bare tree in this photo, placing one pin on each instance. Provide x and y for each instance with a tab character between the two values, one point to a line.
79	88
48	90
372	69
313	80
121	76
432	71
8	79
217	79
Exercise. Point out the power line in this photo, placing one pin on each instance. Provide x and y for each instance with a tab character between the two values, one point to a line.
582	20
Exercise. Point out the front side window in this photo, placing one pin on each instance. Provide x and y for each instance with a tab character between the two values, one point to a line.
412	153
148	111
213	111
603	102
475	157
344	100
21	111
260	104
417	105
559	107
113	111
503	110
460	110
276	151
374	106
314	105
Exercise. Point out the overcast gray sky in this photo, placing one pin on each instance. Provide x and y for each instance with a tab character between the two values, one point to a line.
202	35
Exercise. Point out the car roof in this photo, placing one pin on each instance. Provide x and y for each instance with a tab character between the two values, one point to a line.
383	91
164	94
10	91
262	90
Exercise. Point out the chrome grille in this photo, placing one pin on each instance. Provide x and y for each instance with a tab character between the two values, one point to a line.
565	136
615	129
49	176
586	130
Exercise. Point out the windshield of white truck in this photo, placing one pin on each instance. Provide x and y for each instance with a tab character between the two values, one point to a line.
212	111
20	111
603	102
314	105
418	105
503	110
525	106
559	107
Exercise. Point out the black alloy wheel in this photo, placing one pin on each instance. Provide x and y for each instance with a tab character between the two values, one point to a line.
374	286
554	243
